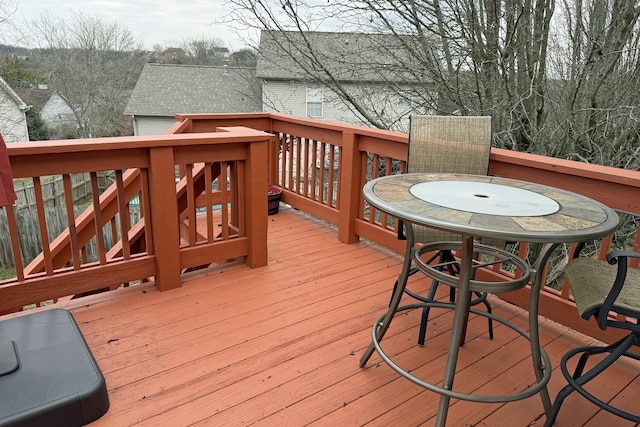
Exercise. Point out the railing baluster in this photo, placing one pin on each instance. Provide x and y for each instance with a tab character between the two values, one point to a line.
191	205
208	183
145	209
330	172
322	171
224	208
298	161
15	242
314	169
239	213
290	162
97	214
42	225
339	171
375	168
123	215
283	159
307	167
71	221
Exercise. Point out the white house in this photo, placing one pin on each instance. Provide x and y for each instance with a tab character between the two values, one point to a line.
164	90
54	110
13	119
319	81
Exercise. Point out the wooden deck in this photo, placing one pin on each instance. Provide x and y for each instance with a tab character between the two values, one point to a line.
279	346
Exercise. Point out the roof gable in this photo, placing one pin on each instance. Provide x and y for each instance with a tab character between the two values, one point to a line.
11	94
38	98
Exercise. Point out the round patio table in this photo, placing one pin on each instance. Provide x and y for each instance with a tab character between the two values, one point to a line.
482	207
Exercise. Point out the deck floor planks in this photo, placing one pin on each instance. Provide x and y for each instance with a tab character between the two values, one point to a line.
258	343
279	345
382	404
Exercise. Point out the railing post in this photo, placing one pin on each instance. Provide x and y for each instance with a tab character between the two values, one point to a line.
256	193
350	188
273	155
164	217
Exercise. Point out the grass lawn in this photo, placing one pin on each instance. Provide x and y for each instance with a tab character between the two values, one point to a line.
7	273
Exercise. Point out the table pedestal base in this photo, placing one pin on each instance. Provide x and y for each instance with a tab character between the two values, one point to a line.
465	283
535	389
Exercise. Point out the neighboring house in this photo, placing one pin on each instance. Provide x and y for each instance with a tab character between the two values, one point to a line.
164	90
13	119
54	111
365	67
173	54
221	52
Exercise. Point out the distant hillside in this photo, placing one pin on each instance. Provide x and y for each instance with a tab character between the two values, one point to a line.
13	50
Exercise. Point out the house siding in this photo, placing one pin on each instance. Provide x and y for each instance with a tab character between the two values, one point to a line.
13	121
57	112
147	125
291	97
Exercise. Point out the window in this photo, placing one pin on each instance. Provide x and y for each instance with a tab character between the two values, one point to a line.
314	101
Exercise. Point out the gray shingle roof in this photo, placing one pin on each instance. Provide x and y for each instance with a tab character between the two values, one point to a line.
167	90
347	56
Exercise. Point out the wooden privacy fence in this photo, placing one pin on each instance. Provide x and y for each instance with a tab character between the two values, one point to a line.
57	221
53	197
53	193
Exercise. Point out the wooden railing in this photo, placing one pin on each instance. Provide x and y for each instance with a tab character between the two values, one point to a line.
223	172
321	168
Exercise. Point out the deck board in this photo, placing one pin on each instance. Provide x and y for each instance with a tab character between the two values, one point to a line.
280	345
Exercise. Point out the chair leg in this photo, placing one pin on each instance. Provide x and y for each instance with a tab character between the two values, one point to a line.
579	379
444	257
425	313
562	394
483	297
584	357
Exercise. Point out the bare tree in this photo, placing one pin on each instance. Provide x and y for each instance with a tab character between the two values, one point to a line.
566	87
595	103
243	58
203	50
7	9
474	57
94	65
13	123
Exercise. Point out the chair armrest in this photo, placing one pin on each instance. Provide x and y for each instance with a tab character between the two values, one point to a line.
621	259
612	257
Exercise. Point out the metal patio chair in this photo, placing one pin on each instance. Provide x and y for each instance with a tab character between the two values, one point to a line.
446	144
601	288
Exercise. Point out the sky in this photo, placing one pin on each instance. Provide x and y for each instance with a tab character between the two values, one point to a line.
163	22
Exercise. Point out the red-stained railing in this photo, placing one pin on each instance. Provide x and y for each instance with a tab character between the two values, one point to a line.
354	154
221	174
320	166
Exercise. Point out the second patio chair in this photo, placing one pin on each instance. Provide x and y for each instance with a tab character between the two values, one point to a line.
446	144
601	289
